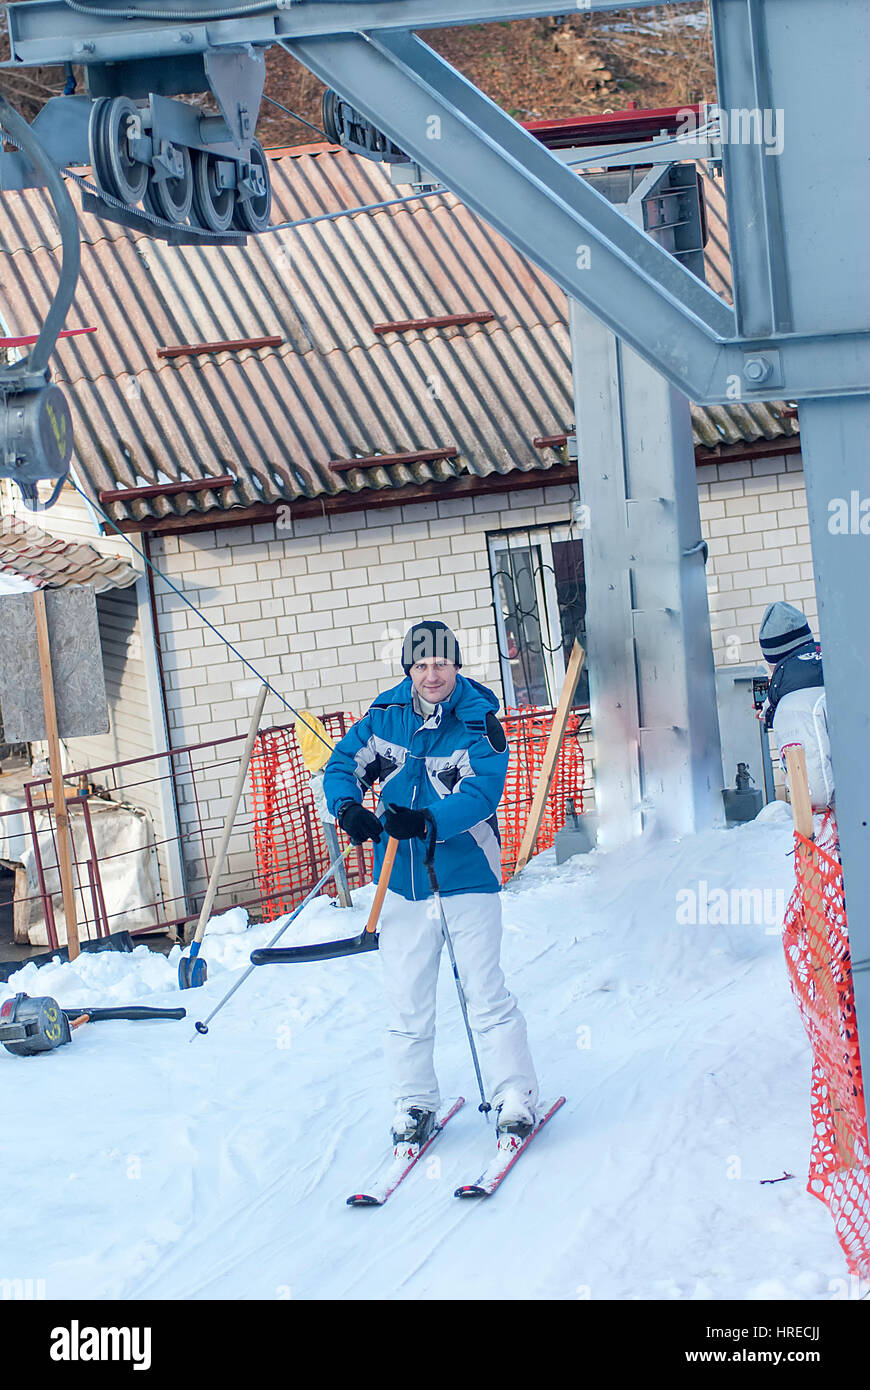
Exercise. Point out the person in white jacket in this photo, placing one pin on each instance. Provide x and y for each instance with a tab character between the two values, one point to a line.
795	708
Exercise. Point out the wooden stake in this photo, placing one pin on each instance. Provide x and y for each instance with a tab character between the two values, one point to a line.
799	789
548	768
230	817
61	816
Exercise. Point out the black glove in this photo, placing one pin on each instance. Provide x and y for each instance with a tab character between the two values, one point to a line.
359	824
404	824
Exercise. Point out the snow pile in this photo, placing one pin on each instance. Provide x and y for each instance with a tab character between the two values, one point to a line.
11	583
173	1165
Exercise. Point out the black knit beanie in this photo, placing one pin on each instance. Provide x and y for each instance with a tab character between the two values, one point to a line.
430	638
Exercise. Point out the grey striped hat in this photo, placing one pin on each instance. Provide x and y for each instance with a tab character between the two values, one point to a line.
783	629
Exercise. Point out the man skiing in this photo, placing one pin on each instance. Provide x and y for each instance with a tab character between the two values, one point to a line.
439	753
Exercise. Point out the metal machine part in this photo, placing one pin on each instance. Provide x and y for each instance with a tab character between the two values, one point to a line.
161	164
28	1026
35	422
744	800
184	166
36	435
579	834
347	127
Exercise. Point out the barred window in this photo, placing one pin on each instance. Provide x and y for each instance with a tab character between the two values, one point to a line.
539	592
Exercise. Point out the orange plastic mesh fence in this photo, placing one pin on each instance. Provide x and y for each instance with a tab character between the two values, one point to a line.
289	844
816	943
527	731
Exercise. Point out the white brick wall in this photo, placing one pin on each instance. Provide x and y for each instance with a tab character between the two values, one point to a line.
754	516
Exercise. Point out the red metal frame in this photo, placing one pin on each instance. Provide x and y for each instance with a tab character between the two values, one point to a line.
615	127
169	913
443	321
130	494
228	345
386	460
26	339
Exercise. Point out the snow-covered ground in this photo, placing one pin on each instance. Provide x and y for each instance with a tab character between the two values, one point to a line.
145	1160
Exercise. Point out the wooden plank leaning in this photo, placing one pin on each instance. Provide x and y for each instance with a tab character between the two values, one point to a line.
61	814
551	756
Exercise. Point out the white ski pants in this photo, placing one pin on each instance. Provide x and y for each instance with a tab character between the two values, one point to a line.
411	941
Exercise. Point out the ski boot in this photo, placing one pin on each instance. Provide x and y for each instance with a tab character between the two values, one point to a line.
515	1120
412	1127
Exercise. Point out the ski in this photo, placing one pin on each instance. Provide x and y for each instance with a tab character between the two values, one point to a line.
405	1157
501	1165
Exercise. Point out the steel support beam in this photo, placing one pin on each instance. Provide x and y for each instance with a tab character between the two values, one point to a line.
798	228
798	204
759	269
651	673
613	694
48	31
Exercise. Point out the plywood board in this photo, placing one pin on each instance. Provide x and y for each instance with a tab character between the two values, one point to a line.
76	660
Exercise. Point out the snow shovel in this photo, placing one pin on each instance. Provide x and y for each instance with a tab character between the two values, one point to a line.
192	969
329	950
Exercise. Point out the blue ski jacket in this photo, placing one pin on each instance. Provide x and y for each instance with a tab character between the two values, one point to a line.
452	764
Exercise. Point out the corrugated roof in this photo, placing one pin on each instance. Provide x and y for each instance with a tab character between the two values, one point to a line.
274	417
49	563
713	425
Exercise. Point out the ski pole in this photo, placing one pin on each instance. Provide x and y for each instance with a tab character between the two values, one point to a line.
203	1027
484	1106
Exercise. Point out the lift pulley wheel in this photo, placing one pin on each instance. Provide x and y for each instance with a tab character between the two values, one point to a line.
329	116
121	123
213	205
171	198
114	122
253	209
101	167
